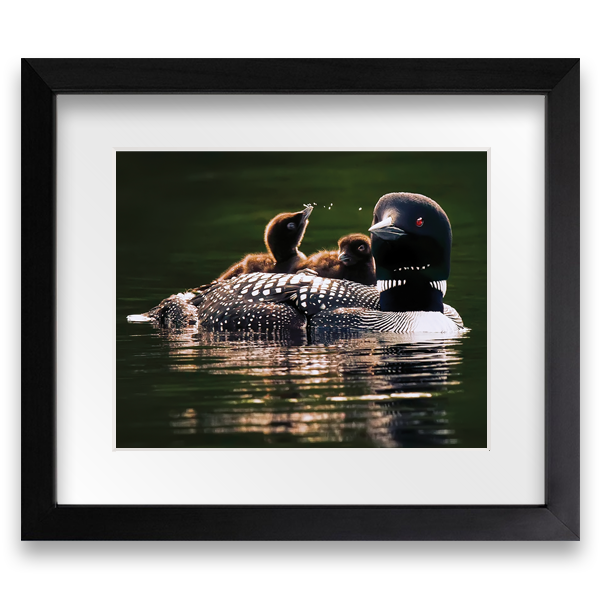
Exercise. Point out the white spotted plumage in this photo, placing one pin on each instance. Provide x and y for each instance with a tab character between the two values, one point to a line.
292	302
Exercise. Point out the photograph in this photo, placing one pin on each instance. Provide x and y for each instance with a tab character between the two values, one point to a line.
277	299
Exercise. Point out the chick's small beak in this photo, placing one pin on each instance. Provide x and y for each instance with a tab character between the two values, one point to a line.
306	213
345	258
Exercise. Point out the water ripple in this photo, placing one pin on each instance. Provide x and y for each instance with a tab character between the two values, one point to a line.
315	388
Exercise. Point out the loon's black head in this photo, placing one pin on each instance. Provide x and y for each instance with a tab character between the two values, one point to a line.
354	249
411	242
284	233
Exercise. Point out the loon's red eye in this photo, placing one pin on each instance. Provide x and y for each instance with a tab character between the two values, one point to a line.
420	222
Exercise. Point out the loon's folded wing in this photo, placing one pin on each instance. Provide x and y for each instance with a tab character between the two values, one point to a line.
275	301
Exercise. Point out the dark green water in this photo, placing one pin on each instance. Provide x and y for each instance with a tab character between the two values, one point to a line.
184	217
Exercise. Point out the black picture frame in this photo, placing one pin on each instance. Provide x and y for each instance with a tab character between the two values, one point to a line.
44	79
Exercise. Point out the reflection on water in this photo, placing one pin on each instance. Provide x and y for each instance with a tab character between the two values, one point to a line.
303	389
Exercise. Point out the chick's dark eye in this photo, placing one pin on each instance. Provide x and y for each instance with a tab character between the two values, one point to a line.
291	226
361	248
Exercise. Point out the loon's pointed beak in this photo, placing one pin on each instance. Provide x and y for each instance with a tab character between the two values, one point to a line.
306	212
386	231
345	258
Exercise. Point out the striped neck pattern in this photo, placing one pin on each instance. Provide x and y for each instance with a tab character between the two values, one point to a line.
386	284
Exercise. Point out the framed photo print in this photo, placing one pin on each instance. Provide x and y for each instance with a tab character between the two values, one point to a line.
300	299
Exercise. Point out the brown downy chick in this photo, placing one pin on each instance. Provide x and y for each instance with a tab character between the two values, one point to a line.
353	261
283	236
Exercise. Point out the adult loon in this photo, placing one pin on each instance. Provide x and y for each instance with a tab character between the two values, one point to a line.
411	242
352	261
283	236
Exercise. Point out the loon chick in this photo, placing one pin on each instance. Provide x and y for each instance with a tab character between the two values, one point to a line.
283	236
352	261
411	245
